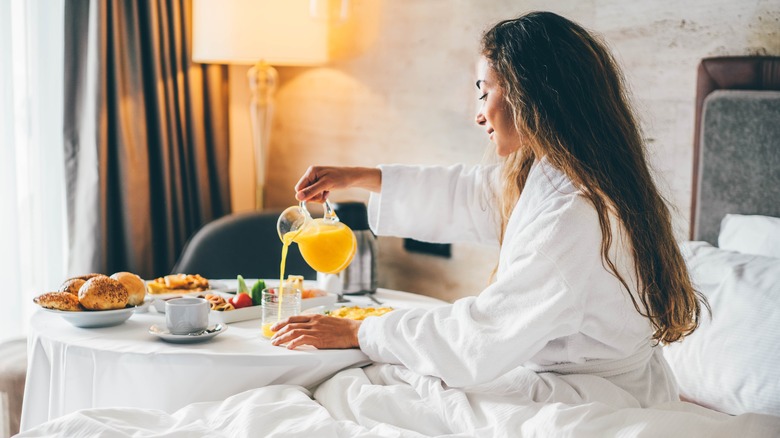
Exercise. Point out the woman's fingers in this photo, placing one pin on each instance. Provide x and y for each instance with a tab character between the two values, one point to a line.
302	187
301	341
317	181
307	178
317	330
296	322
293	319
316	191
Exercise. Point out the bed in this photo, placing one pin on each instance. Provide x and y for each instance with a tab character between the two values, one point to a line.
731	363
727	370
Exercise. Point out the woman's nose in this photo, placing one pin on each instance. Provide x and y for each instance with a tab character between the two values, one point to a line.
480	118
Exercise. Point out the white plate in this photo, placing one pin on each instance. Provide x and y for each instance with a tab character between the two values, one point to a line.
236	315
219	286
256	312
325	300
331	307
164	334
94	318
231	285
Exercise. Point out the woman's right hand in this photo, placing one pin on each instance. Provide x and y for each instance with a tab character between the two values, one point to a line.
318	181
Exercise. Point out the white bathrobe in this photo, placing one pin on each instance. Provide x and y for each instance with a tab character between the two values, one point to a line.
554	307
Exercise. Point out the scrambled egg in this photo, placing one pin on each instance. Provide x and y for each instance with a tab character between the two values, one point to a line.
359	313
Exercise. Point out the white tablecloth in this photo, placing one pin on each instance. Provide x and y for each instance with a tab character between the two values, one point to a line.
71	368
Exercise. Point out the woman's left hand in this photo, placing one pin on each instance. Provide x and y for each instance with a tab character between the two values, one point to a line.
319	331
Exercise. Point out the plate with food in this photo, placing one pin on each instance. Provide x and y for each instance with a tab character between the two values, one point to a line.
224	310
245	304
171	286
96	300
350	311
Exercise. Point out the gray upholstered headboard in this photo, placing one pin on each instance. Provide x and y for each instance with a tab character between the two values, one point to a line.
739	158
737	148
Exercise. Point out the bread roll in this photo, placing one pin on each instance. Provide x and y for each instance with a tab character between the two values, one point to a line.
72	286
58	301
87	277
103	293
136	289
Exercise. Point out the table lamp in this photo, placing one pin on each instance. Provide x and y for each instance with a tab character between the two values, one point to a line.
260	32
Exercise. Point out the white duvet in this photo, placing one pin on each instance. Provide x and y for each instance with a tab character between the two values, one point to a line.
391	401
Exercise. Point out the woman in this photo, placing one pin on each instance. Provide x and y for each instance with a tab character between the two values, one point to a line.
589	280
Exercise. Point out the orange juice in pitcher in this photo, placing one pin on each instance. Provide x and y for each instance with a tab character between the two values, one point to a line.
327	247
326	244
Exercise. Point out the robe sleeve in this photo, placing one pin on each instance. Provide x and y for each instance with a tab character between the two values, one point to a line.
477	339
436	204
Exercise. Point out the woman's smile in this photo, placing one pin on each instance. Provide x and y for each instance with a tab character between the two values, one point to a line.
495	114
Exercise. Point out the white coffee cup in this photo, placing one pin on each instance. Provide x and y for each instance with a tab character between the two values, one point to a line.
187	315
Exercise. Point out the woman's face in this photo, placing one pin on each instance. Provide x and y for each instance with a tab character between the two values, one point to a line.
495	114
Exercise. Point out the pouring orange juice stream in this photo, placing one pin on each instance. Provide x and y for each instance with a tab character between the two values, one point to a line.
326	244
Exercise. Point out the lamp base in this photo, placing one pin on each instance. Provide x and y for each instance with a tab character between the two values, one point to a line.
263	80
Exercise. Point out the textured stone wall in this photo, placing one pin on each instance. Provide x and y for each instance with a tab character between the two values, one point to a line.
404	93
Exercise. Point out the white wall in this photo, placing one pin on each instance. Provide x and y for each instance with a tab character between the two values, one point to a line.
407	95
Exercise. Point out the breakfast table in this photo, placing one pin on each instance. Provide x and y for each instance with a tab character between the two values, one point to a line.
72	368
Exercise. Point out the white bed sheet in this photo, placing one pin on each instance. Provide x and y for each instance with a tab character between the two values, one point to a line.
389	400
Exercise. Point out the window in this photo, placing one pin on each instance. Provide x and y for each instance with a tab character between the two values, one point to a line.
33	238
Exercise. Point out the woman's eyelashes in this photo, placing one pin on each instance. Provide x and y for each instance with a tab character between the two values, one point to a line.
483	97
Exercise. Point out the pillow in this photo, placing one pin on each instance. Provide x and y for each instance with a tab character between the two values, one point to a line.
759	235
731	363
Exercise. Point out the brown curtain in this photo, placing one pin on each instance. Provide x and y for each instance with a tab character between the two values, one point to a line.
146	135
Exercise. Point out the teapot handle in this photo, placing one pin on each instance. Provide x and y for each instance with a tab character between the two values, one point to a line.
328	214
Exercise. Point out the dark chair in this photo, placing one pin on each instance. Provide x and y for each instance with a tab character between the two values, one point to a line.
244	244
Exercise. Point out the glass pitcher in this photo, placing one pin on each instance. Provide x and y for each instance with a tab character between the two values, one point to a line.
326	244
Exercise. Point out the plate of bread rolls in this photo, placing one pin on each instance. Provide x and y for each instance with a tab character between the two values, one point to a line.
96	300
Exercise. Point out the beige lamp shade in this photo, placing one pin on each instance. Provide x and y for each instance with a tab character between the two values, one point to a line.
280	32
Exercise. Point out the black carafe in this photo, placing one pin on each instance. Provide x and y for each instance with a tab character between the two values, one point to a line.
360	276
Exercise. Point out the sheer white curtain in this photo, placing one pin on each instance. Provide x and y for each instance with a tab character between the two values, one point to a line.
33	237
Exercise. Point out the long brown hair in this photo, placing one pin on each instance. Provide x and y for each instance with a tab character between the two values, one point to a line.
569	104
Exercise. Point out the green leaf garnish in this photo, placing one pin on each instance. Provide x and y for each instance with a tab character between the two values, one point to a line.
242	286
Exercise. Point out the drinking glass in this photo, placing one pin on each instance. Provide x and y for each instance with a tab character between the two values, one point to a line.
278	304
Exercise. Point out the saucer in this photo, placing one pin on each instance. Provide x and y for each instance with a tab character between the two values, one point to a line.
164	334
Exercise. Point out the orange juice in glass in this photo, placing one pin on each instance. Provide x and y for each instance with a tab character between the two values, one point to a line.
278	304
